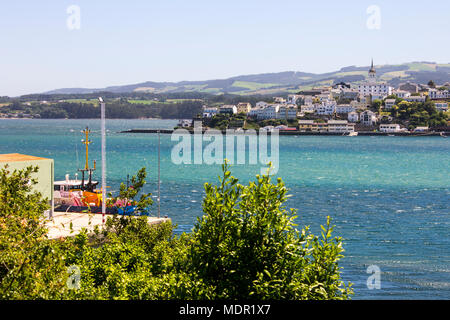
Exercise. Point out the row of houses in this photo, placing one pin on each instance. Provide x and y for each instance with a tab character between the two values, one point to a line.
339	99
262	111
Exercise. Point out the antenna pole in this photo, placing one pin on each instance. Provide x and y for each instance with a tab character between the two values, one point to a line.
102	104
159	174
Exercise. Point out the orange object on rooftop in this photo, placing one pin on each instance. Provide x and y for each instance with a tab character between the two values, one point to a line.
17	157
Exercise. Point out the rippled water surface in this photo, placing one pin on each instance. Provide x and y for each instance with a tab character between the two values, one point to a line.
388	196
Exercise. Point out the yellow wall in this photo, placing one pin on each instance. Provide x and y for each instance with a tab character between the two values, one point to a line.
44	176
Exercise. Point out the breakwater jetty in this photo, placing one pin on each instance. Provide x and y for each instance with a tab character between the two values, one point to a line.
303	133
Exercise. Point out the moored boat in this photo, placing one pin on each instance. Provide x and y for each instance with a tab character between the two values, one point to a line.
83	195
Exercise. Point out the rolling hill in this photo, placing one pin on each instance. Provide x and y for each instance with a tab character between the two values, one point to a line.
289	81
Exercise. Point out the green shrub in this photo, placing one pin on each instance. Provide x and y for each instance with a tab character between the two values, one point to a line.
246	245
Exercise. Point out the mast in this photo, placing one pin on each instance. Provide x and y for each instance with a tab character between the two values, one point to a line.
103	128
86	142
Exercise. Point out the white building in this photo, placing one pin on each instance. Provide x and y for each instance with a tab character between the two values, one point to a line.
307	108
308	100
353	117
269	112
344	108
389	103
421	129
280	100
368	118
371	87
415	98
340	126
209	112
184	123
391	127
244	107
261	104
327	107
375	90
228	109
402	93
293	98
288	112
438	94
441	106
254	112
325	96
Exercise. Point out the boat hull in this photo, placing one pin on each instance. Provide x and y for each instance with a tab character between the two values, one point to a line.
127	211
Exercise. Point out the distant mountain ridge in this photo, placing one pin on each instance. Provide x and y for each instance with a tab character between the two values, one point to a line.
288	81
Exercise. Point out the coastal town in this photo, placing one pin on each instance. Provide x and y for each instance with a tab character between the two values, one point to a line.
371	106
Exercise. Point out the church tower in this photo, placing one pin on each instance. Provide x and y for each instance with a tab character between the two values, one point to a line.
372	74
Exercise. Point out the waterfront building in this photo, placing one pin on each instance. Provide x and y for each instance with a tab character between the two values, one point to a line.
421	129
185	123
340	126
390	128
312	126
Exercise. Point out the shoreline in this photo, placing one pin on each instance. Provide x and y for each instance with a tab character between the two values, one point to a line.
301	133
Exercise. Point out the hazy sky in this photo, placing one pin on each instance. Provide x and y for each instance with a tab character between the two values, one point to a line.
125	42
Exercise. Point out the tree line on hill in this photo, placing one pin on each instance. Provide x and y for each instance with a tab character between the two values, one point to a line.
166	106
114	110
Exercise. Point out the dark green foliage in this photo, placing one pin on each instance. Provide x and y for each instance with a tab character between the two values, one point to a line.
419	114
128	194
30	266
245	246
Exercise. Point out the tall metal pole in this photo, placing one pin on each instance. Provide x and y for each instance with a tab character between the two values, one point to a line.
103	128
159	173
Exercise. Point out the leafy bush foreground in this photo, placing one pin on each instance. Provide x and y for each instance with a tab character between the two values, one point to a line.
246	245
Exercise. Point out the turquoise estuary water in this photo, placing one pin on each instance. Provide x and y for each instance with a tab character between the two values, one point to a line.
388	196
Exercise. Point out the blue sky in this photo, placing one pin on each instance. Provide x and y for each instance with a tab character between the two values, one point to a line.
124	42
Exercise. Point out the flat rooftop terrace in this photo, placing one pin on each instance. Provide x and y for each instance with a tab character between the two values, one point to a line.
59	225
17	157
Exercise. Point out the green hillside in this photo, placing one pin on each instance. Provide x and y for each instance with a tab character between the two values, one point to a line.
289	81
